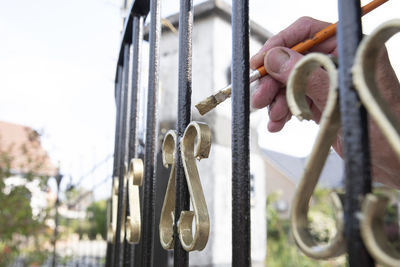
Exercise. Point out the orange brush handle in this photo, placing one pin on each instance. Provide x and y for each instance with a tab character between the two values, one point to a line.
325	33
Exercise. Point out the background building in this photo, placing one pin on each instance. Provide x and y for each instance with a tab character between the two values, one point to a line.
22	153
211	71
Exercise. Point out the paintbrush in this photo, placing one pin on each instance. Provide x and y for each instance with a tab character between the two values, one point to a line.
212	101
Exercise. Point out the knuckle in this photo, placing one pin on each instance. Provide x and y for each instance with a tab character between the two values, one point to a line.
305	20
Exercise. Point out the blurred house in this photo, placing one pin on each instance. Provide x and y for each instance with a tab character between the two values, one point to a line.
22	144
284	173
23	155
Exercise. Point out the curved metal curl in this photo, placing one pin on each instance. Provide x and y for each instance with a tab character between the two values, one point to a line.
364	78
191	151
372	231
112	229
329	127
133	221
167	218
123	211
112	226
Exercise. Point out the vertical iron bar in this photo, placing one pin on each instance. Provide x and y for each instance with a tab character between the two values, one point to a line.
118	103
150	157
126	123
354	131
137	38
182	202
121	160
109	244
240	135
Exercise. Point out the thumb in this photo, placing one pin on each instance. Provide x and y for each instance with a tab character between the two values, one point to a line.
280	61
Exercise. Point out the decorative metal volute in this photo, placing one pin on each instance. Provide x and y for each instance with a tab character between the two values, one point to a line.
364	76
365	81
372	231
112	226
329	127
190	151
168	209
133	221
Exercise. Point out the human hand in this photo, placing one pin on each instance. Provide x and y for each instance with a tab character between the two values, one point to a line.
279	60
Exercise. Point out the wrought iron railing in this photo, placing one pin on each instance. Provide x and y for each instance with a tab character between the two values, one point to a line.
141	251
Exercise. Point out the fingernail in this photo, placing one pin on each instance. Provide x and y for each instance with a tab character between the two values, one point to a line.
277	59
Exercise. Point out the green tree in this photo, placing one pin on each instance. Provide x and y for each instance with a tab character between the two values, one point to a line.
18	226
94	224
97	217
281	249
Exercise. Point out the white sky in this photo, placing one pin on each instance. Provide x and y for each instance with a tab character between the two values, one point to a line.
57	66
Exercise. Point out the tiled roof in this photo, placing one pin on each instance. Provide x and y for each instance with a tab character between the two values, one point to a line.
21	145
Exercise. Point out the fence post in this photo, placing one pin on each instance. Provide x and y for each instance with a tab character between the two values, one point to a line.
150	156
182	202
354	132
241	253
137	39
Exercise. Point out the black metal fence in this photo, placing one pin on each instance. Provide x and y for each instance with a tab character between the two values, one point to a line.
355	132
354	128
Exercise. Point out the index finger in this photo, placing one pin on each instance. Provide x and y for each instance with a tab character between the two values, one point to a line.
302	29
